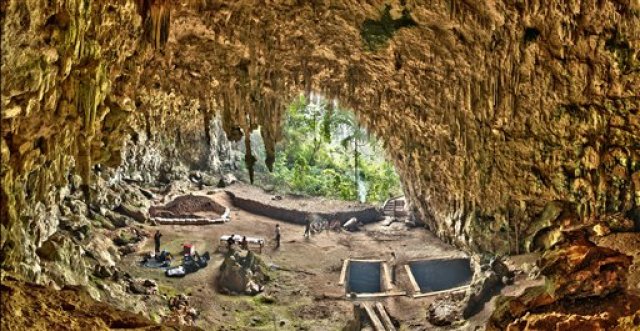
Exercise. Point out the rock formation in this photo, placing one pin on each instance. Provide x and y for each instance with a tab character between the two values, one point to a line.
489	110
24	304
242	273
577	272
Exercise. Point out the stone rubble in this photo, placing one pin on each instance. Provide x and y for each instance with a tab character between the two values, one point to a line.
242	272
577	271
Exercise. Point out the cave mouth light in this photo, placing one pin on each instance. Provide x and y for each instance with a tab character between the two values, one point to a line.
325	151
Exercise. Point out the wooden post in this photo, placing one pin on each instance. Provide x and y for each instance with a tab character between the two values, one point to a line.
377	324
416	287
385	317
386	277
343	273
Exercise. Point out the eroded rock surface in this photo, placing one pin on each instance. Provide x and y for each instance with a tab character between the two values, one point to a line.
242	273
490	110
24	305
586	289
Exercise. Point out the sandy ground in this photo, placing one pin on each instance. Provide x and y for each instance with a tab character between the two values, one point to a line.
303	301
313	299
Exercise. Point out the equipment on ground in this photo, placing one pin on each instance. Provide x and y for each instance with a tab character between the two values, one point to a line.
252	242
190	264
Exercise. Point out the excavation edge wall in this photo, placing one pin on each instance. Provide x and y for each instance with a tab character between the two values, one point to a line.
366	215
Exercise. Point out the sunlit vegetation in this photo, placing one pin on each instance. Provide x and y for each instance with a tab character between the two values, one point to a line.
325	152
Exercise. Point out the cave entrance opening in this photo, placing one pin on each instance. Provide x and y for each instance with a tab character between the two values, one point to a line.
325	151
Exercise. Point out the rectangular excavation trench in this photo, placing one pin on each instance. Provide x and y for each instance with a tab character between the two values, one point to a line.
430	277
367	279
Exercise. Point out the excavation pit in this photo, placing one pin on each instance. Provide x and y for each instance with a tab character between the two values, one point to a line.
430	277
364	277
367	279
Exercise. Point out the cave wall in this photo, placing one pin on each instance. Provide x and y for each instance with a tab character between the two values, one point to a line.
60	110
171	136
489	110
73	105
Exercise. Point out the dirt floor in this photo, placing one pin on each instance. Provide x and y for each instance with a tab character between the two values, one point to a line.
309	300
291	201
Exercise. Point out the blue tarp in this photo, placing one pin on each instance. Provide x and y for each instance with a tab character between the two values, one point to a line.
364	277
439	275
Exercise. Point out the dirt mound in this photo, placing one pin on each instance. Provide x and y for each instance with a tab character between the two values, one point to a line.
191	206
242	273
27	306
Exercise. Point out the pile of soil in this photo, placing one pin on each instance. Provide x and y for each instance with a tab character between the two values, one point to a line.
188	206
27	306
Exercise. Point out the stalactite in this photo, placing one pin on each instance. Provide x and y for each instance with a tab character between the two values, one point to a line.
156	18
207	125
249	159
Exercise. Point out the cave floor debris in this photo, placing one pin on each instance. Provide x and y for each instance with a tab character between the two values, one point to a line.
309	300
25	304
305	292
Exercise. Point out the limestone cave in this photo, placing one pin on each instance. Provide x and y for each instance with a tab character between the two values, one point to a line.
459	165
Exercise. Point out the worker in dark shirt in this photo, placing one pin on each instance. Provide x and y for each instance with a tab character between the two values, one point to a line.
230	242
307	227
394	264
244	244
277	235
156	239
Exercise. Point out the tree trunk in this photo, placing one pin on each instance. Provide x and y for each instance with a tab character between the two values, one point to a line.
355	167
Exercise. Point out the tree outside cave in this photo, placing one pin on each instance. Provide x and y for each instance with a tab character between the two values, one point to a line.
325	152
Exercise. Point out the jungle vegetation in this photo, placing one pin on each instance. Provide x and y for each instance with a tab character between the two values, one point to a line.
325	152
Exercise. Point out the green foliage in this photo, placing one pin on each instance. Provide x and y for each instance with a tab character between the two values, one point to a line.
323	149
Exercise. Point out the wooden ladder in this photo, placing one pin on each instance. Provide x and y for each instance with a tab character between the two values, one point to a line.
389	208
378	316
393	207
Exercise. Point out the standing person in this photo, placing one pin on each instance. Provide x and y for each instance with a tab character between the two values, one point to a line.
393	264
156	239
244	244
277	235
230	242
307	227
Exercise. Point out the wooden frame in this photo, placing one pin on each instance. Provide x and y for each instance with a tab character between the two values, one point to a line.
343	273
451	290
418	292
385	282
375	295
416	287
